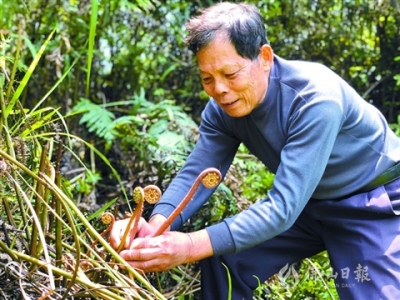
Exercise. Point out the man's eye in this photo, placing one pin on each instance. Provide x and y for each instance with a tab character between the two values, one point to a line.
230	75
206	79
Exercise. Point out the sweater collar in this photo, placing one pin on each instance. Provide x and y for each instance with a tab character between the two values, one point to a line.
272	92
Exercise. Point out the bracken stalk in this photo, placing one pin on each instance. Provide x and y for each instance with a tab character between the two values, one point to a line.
210	178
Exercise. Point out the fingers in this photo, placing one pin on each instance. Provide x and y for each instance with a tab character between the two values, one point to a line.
158	253
143	228
114	238
117	232
146	266
146	260
147	254
139	254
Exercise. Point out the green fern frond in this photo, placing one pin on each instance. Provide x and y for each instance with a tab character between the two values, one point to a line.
127	120
97	119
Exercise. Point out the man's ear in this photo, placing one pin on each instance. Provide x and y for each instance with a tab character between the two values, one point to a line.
267	56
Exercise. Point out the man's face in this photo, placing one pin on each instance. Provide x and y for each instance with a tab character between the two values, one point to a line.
237	84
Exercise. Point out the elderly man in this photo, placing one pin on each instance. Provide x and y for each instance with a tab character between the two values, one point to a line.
334	159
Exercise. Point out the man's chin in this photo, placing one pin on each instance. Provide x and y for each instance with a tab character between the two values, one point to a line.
236	114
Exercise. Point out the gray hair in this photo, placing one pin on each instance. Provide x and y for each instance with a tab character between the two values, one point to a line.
242	23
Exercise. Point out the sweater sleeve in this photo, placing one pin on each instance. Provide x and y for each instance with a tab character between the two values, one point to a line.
312	131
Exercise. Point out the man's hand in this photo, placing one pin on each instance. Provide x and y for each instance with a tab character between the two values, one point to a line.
167	250
144	229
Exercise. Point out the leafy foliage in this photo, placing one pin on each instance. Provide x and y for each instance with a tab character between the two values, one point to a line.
139	45
308	280
97	119
150	140
255	179
45	240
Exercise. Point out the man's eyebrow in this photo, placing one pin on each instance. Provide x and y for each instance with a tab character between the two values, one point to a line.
226	68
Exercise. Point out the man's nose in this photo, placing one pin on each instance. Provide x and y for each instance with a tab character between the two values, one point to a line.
220	87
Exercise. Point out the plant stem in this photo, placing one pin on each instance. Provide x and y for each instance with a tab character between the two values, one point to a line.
38	205
11	157
57	204
36	220
104	293
189	196
7	250
16	61
3	119
59	193
134	219
77	248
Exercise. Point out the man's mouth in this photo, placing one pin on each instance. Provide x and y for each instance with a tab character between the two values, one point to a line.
230	103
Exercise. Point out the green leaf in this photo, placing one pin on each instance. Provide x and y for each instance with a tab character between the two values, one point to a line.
27	75
102	209
92	37
43	117
97	119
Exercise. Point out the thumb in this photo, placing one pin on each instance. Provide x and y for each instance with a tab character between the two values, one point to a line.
116	233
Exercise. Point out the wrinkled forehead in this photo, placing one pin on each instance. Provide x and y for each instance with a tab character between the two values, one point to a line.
218	55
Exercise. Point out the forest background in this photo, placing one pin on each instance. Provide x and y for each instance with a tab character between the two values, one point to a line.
99	97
